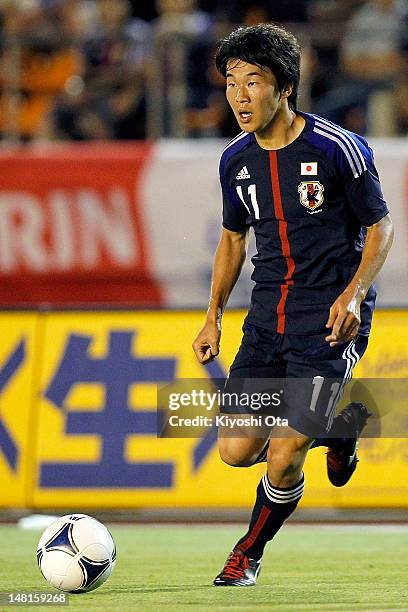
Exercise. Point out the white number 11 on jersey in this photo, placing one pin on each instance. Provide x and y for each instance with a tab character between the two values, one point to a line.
252	195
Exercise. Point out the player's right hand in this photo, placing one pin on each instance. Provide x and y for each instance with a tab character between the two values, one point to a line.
207	344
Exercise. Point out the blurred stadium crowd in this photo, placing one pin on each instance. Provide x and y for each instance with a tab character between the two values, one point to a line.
131	69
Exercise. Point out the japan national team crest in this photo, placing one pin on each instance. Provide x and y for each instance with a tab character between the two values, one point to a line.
311	195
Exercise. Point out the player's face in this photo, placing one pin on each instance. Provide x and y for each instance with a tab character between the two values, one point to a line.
253	95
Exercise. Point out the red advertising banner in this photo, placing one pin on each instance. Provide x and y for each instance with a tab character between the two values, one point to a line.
71	225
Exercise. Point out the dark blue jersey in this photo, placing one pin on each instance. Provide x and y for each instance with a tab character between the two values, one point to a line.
309	204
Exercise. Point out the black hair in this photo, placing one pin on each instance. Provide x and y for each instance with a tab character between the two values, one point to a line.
264	45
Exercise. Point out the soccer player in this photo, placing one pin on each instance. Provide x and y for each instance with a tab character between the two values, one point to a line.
311	192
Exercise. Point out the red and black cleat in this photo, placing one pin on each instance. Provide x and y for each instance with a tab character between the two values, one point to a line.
341	463
239	570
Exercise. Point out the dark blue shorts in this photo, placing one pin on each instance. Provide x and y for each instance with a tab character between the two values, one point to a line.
310	372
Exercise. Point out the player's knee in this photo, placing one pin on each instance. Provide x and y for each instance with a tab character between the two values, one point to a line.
234	455
234	459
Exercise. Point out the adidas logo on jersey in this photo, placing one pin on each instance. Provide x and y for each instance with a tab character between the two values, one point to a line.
243	174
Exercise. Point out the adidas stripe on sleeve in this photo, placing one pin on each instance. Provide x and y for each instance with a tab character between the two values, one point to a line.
364	194
355	164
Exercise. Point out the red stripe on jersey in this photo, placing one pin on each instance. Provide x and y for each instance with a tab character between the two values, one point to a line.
283	234
280	309
260	522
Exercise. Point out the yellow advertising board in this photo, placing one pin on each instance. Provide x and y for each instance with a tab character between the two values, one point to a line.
78	416
19	367
97	443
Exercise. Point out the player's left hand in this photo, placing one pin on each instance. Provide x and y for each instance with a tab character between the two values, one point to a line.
344	318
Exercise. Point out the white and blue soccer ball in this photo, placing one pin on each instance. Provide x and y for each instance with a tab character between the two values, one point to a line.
76	553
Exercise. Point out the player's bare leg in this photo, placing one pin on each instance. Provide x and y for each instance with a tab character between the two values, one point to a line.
278	494
286	457
242	446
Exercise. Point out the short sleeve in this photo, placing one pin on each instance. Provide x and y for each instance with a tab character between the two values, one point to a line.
235	217
362	186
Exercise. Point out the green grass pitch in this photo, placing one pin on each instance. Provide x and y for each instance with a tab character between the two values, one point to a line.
171	568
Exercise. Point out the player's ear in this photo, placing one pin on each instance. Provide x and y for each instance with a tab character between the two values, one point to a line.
286	91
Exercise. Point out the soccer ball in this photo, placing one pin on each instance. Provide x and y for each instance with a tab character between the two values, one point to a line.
76	553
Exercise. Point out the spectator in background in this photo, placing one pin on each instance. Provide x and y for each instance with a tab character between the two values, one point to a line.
37	61
181	17
117	66
328	21
371	63
370	49
110	102
183	35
